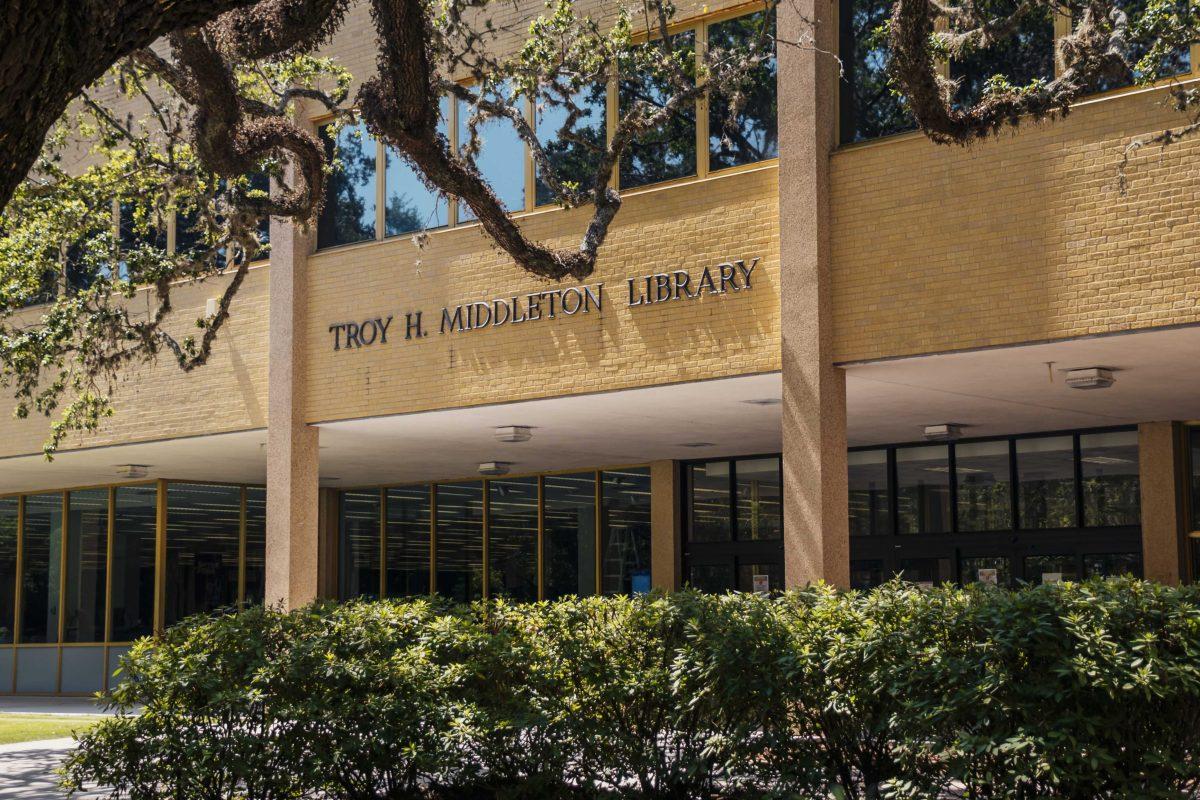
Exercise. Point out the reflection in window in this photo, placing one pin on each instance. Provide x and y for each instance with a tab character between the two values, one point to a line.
8	568
203	541
926	572
753	134
40	568
132	566
984	486
870	108
870	509
409	205
256	545
358	559
137	231
1194	482
1050	569
625	531
1111	489
407	548
923	489
759	502
1046	482
1022	58
573	162
569	534
512	538
1111	565
866	573
349	212
668	151
460	540
712	520
712	578
988	570
87	561
500	160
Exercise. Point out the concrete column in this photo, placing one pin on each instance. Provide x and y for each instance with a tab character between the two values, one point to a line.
815	508
1162	505
293	541
665	527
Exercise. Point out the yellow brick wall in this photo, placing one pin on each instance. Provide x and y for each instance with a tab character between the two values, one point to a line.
1018	239
160	401
687	226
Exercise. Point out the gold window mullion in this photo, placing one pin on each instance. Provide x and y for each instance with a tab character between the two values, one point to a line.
452	130
530	169
611	110
702	102
1062	27
380	190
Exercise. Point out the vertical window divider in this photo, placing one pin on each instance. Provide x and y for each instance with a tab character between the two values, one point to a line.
612	107
599	533
1062	28
241	587
1014	499
382	543
952	468
1079	519
20	579
541	534
530	171
380	190
109	549
63	527
452	131
734	533
702	103
487	505
893	512
160	557
432	538
941	25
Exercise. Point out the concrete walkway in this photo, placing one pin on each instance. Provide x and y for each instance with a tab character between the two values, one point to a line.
27	768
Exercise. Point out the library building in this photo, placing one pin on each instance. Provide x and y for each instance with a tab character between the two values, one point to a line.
822	349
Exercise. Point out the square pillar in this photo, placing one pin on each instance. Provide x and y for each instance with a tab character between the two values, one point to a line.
815	502
293	541
666	526
1159	462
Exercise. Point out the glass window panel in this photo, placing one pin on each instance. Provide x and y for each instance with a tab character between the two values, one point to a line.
866	573
87	563
1051	569
1046	482
870	504
669	151
625	531
1110	565
712	578
712	514
82	669
407	548
135	526
926	572
8	570
984	486
358	552
753	135
1024	57
41	565
869	108
1194	460
989	570
261	182
569	534
923	489
256	545
135	232
409	205
349	212
512	538
500	160
203	533
460	540
760	577
573	162
759	502
1141	38
1111	489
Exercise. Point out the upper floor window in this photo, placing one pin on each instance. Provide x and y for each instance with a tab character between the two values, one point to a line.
752	134
573	161
349	212
870	107
667	151
1024	57
500	157
408	203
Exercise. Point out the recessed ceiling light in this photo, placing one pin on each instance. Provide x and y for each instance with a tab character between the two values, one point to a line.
133	470
1090	378
494	467
764	401
514	433
696	444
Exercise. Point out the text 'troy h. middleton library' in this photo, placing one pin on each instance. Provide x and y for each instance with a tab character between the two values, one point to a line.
822	349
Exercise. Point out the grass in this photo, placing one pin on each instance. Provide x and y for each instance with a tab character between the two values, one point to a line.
33	727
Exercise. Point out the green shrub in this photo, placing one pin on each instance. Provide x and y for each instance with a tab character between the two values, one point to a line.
1075	691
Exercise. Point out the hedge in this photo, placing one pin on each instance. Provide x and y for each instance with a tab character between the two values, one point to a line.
1085	690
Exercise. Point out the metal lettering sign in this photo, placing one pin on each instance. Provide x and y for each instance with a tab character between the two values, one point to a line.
645	290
